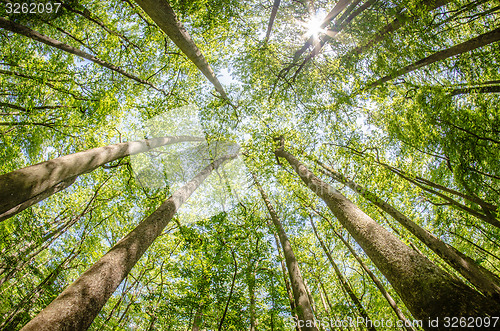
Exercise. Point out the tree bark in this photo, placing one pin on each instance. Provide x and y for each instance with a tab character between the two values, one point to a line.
467	46
426	290
36	182
484	280
77	306
302	304
343	282
35	35
163	15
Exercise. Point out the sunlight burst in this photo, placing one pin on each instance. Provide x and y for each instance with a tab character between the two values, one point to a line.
314	26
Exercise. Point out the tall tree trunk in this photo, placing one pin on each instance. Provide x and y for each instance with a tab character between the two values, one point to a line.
274	11
467	46
163	15
35	35
36	182
288	288
251	294
485	281
343	282
426	290
77	306
235	264
302	304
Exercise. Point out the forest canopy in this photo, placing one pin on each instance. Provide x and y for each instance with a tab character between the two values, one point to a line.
262	165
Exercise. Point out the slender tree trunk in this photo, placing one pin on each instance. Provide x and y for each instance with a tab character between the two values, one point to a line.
487	282
276	5
197	321
302	304
36	182
35	35
467	46
77	306
343	282
235	264
426	290
251	294
428	5
163	15
288	288
477	89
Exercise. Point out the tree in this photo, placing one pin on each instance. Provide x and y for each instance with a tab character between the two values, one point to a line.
415	159
86	296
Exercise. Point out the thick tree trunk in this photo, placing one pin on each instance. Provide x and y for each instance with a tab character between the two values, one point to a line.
302	304
426	290
484	280
343	282
163	15
467	46
35	35
77	306
276	5
34	183
37	198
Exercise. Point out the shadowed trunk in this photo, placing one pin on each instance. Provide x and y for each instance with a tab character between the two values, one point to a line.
426	290
32	184
77	306
302	304
163	15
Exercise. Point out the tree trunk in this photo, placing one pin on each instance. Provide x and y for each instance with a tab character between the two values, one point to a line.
35	35
467	46
426	290
302	304
276	5
485	281
288	288
343	282
36	182
77	306
235	264
163	15
37	198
